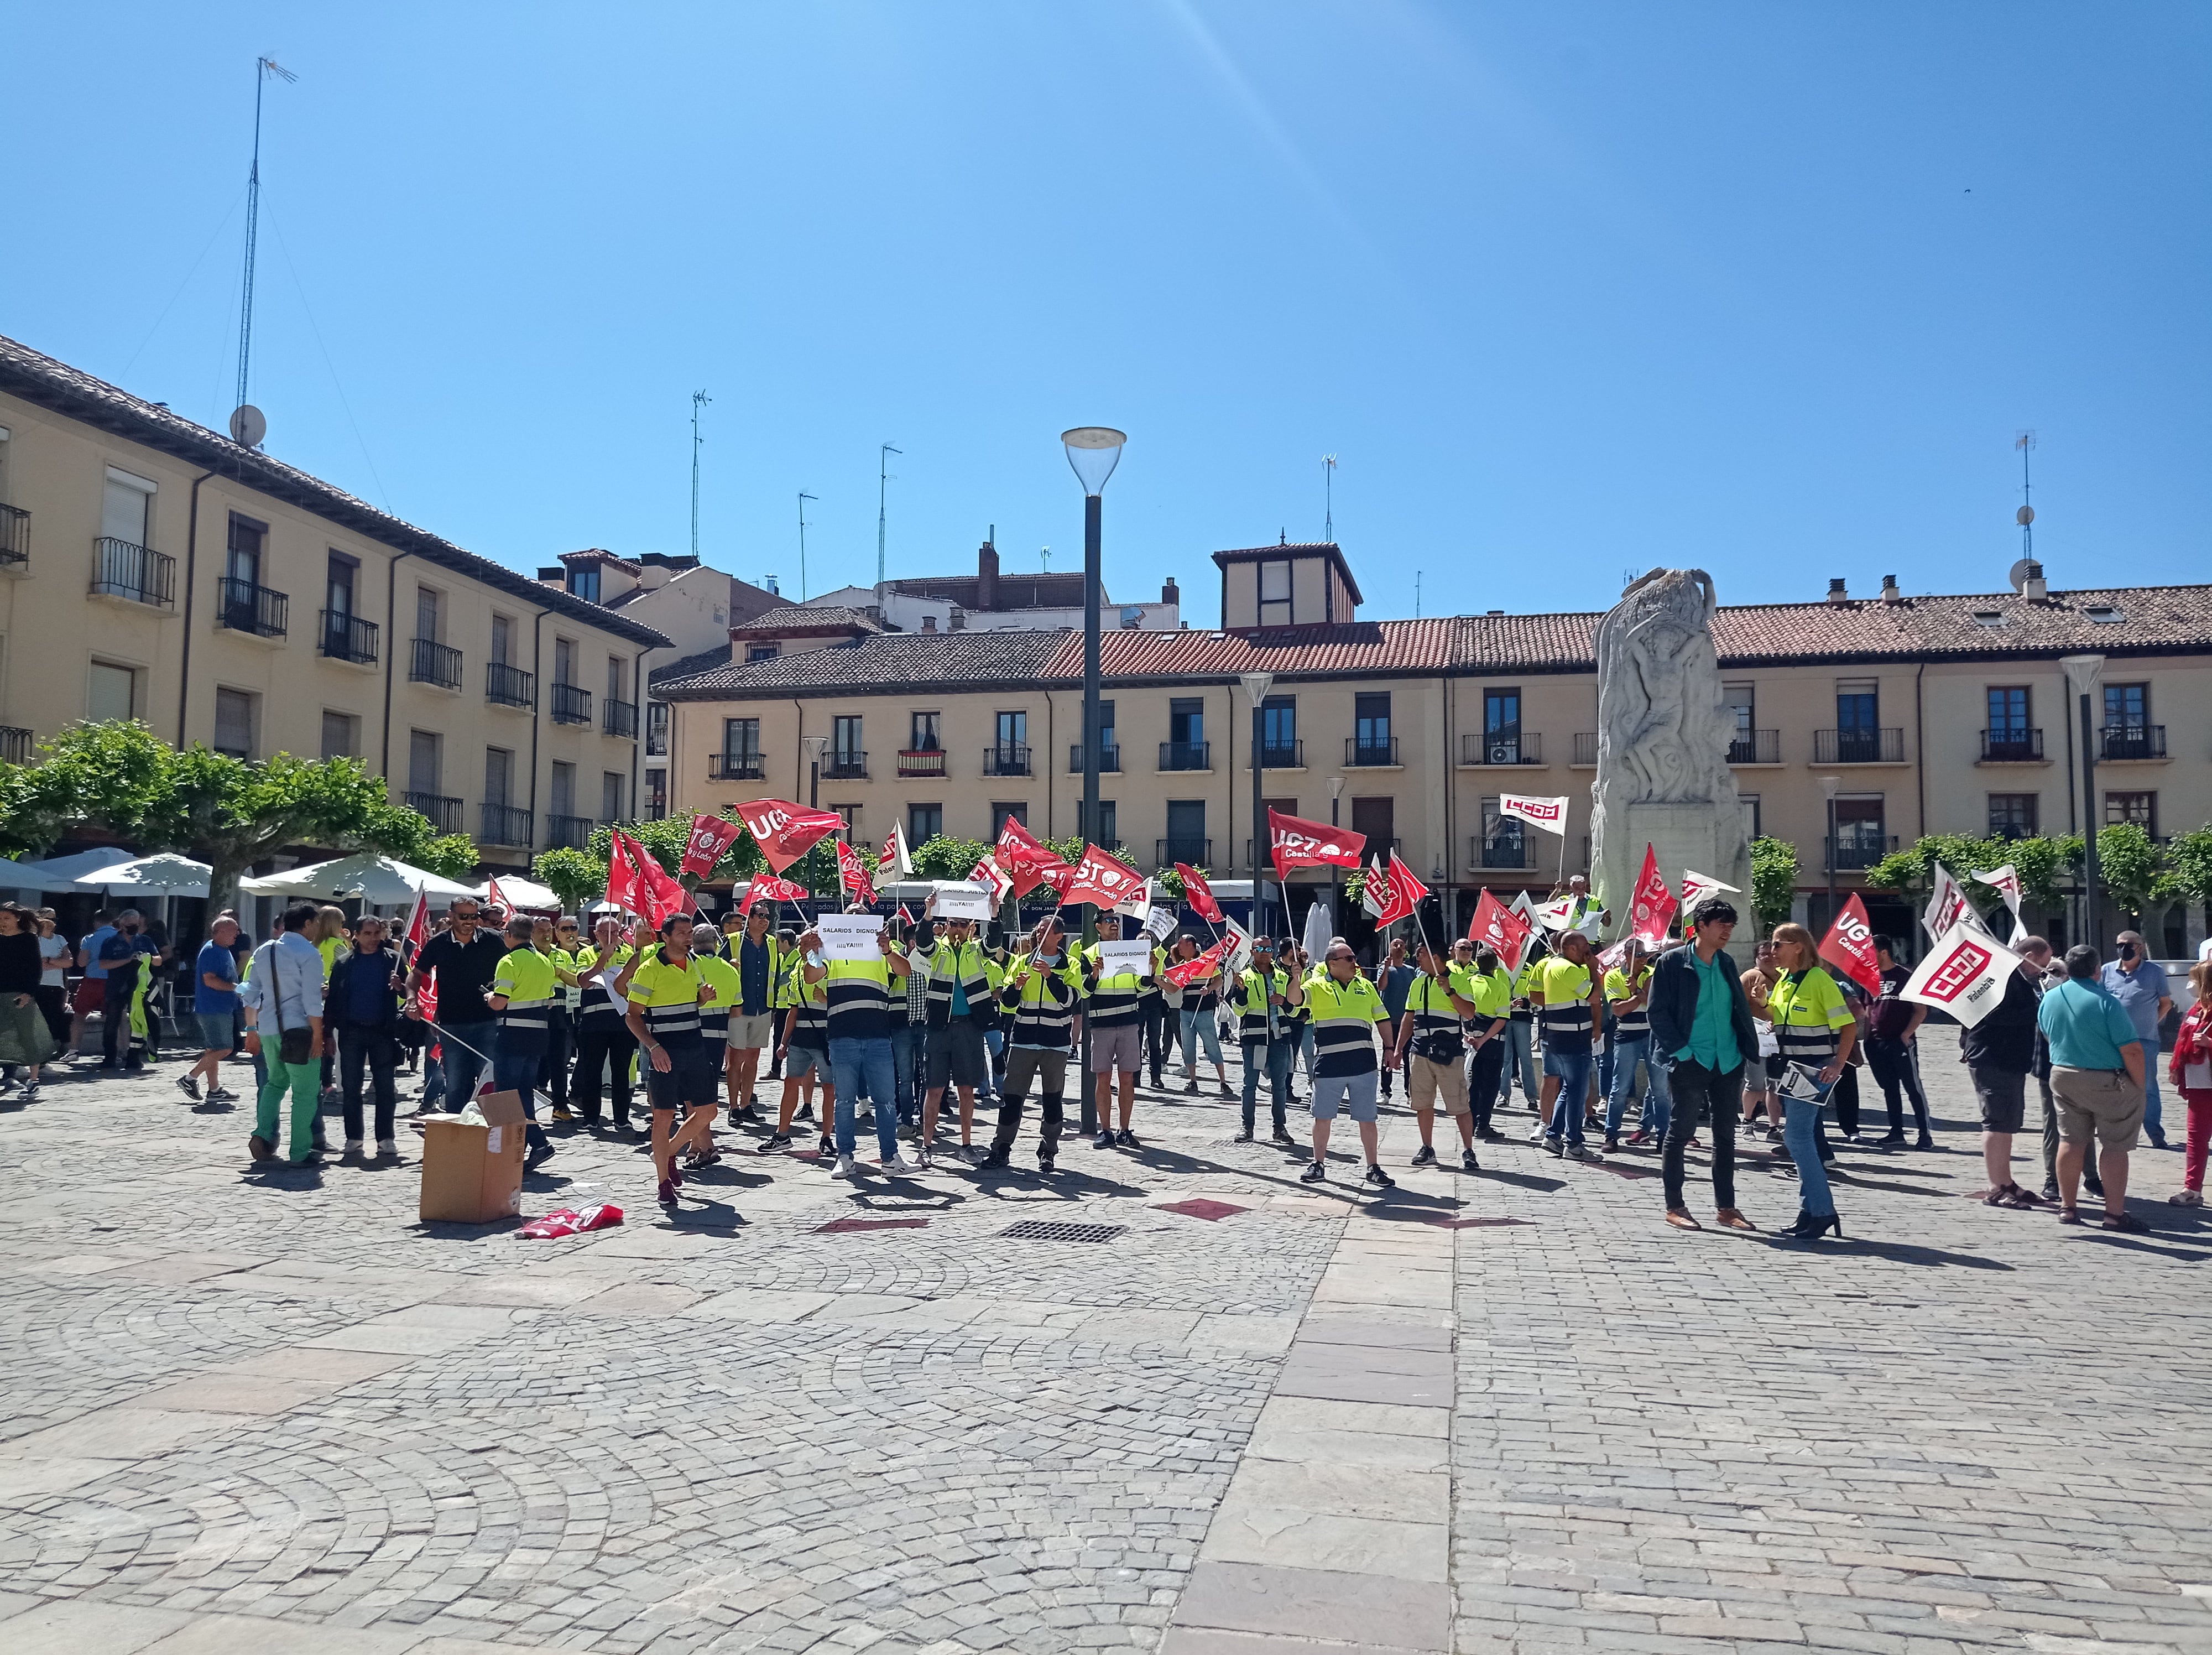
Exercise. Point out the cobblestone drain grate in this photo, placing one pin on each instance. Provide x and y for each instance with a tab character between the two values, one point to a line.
1041	1230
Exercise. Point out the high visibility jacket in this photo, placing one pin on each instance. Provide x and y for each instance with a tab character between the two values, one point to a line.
1041	1000
1627	1024
1565	986
1491	992
811	1029
571	995
1113	998
860	993
1344	1018
1252	1002
721	977
1436	1020
978	975
1807	1008
594	1002
669	996
526	978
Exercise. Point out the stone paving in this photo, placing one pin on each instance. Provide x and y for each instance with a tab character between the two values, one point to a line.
1510	1411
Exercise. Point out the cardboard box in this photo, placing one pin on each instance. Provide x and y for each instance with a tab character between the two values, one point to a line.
473	1174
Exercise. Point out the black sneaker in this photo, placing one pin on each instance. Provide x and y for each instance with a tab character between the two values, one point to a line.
1889	1141
1425	1155
994	1160
806	1111
540	1156
1381	1179
825	1148
189	1086
1491	1135
1243	1137
777	1142
1281	1135
1104	1141
2051	1189
1045	1165
260	1149
1313	1174
1612	1142
1468	1164
1126	1138
1926	1142
1555	1146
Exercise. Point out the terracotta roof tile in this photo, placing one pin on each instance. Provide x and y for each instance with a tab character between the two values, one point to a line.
1352	647
889	661
796	621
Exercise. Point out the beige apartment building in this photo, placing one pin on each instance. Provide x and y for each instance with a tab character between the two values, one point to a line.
1946	713
151	568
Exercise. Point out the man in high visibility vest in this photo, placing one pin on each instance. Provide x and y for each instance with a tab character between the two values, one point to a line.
1568	997
1431	1047
1263	998
860	1031
524	986
1346	1009
758	956
1039	996
1117	1030
962	1003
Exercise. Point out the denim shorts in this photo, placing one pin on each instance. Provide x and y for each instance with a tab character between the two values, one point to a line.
800	1061
1355	1092
217	1031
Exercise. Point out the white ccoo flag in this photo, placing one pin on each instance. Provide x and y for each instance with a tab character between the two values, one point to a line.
1964	974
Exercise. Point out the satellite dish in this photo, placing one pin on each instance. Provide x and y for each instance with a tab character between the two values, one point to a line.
2018	574
249	426
2024	516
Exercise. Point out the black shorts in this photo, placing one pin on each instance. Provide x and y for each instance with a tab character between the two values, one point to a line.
690	1079
957	1053
2002	1096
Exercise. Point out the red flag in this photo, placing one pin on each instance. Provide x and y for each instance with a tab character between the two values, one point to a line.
711	839
637	883
1102	880
769	887
1017	845
787	831
904	917
853	873
1399	893
1850	946
1497	927
894	859
1033	872
1199	966
418	924
1298	843
427	998
1654	905
1198	894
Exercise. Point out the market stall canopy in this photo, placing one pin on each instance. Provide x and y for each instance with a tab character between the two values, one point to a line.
60	875
371	877
526	894
165	874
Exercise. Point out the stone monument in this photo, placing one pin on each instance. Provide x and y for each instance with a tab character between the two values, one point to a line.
1662	746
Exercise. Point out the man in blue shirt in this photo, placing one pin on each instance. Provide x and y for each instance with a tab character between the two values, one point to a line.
215	1004
2138	983
2096	1069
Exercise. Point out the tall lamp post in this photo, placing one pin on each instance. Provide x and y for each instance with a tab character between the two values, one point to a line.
1257	685
1828	786
816	745
1335	878
2082	675
1093	452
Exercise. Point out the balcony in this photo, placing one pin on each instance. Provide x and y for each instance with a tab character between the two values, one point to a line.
1759	747
619	718
1585	756
120	569
922	762
506	825
15	538
735	767
15	745
435	663
242	606
1504	850
1858	747
348	638
1006	758
656	731
1501	747
2119	743
572	704
1186	755
444	814
507	686
1197	853
1381	750
850	765
1283	755
1109	759
1854	853
568	832
2011	747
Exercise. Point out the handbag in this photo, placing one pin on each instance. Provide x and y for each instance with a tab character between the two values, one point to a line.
294	1046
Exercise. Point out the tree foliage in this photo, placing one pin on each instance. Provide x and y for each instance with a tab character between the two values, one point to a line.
2129	866
576	877
1773	880
2189	863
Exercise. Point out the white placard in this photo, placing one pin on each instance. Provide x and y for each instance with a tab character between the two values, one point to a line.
851	936
1159	922
958	900
1125	958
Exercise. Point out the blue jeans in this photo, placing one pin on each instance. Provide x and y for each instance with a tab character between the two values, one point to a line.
516	1056
1275	1056
1573	1069
1200	1029
2153	1126
1627	1054
908	1047
1520	1054
1605	1060
995	1041
855	1063
465	1069
1801	1119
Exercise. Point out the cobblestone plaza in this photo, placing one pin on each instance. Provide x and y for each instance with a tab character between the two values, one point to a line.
1509	1411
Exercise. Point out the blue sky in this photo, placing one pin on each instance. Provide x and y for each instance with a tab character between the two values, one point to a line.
1568	290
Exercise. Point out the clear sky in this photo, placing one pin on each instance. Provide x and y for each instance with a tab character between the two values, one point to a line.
1567	290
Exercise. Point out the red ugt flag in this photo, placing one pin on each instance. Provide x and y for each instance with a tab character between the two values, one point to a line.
853	873
1198	894
787	831
1850	947
769	887
1399	894
1102	880
1299	843
1498	927
1654	904
711	839
1199	966
637	883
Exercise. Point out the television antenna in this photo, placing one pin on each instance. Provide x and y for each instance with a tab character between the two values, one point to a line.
263	68
1328	497
2025	516
803	498
1044	558
883	497
699	399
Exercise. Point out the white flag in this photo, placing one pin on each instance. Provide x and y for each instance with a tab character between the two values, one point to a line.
1240	948
1138	906
1944	904
1557	916
1696	887
1159	924
1375	890
896	852
1523	907
1964	974
1549	814
2006	881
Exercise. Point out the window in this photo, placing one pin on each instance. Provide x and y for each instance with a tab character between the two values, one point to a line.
584	583
2139	808
564	662
1279	730
1275	591
337	584
610	795
233	722
1858	705
656	795
502	640
499	776
1186	833
1750	802
923	824
1187	720
429	613
1013	730
616	675
2008	707
1110	824
1501	730
1106	740
1378	819
424	769
656	729
1861	839
341	735
112	692
1503	843
564	789
741	740
927	736
1371	722
1000	813
762	652
1741	702
2127	706
126	509
243	561
2015	815
846	747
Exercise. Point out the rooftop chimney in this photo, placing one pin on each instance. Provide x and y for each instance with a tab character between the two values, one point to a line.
987	576
1836	594
929	623
1891	592
2032	583
552	574
1169	593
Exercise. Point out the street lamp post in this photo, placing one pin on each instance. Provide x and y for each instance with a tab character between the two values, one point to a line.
1335	878
816	745
1828	786
1093	452
1257	685
2083	674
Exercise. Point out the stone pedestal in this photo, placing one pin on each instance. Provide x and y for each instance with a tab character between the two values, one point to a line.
1690	834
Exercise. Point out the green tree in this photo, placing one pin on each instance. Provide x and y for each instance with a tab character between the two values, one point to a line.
943	856
2046	867
576	877
1773	880
2189	865
2130	868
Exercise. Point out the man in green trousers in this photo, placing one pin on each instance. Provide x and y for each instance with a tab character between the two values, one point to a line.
283	994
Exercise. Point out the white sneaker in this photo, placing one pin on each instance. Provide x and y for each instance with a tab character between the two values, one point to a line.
970	1154
1536	1133
388	1149
843	1169
353	1145
898	1164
